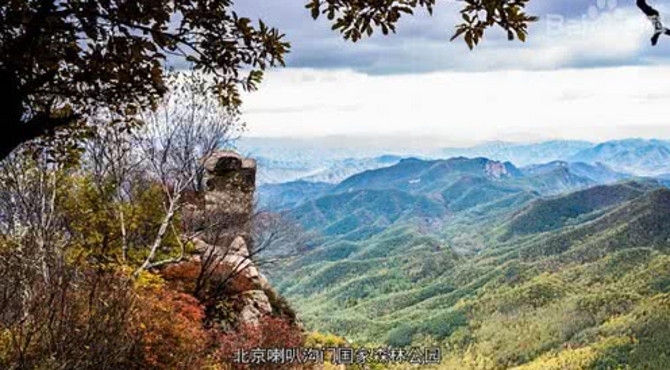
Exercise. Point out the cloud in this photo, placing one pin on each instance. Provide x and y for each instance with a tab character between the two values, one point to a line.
616	34
587	72
463	107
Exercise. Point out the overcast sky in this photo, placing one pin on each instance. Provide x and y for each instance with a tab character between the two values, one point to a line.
588	71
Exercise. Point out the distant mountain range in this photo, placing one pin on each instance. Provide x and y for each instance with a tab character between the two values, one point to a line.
315	168
425	176
287	195
638	157
429	190
522	154
459	183
596	172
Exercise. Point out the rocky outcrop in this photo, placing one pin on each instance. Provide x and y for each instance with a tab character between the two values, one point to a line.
229	186
230	183
496	169
238	258
256	304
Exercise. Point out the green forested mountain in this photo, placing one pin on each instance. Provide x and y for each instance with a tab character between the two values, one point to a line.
597	172
553	213
348	212
428	192
487	265
417	175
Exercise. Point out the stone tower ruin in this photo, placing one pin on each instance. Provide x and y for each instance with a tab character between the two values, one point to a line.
230	182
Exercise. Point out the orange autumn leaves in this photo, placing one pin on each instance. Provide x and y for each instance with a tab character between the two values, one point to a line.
176	332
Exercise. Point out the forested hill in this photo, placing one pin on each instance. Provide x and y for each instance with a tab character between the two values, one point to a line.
543	267
427	190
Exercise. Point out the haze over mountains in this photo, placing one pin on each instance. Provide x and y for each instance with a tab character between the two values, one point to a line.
425	191
558	264
641	157
281	161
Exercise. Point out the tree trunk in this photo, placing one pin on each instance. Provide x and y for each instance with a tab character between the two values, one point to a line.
167	220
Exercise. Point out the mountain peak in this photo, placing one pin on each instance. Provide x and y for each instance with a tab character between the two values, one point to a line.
496	169
642	157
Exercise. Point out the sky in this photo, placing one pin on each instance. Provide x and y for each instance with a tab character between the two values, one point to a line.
587	71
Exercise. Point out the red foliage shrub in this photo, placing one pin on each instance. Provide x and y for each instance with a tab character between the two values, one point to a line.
270	333
170	324
182	276
217	279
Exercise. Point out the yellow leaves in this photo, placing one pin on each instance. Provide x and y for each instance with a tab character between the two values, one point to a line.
148	280
578	358
321	340
96	215
5	342
661	300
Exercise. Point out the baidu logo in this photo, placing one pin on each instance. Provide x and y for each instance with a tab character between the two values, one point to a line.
598	17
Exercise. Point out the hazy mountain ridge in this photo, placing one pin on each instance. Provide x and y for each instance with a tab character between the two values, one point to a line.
279	163
522	154
344	213
415	175
637	156
307	168
279	197
596	172
459	183
643	220
412	190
